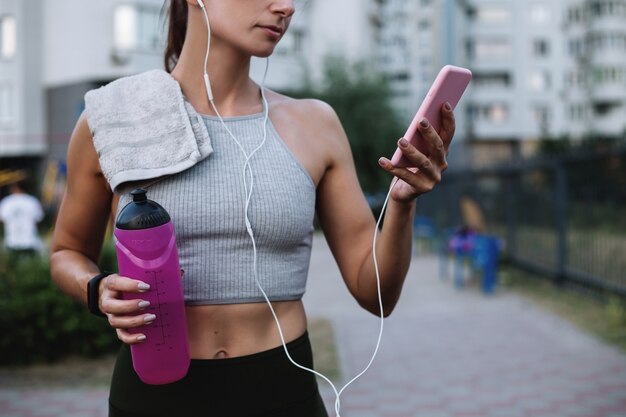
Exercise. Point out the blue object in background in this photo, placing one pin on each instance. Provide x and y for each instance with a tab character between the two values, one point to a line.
485	255
482	251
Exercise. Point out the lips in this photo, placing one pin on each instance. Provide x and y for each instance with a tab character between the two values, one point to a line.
275	31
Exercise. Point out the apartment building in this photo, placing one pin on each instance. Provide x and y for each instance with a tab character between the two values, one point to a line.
595	67
53	51
542	68
320	28
515	50
22	107
87	44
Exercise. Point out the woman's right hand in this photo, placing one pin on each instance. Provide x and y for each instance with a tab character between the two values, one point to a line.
125	314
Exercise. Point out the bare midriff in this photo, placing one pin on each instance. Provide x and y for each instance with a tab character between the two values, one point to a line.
231	330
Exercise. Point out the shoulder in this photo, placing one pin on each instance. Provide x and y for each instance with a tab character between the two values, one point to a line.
122	83
312	116
309	109
81	154
33	201
141	87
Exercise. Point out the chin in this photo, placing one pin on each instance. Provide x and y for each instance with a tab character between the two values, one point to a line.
263	53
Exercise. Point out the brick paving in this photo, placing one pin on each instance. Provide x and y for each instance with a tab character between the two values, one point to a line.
445	353
459	353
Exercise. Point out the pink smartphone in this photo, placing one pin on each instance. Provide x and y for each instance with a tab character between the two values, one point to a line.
449	86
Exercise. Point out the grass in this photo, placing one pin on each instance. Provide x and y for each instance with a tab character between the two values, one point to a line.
325	356
603	316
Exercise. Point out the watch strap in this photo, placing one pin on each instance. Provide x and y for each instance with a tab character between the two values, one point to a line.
93	293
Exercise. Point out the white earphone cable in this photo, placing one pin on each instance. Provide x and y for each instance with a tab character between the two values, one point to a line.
248	192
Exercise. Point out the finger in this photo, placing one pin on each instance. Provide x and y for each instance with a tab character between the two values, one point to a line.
417	160
416	180
435	143
115	306
130	338
130	322
448	124
116	282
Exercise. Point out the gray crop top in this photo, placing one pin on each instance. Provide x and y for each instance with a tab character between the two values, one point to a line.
206	203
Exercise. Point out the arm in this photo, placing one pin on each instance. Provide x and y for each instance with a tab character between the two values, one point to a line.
81	223
79	233
349	225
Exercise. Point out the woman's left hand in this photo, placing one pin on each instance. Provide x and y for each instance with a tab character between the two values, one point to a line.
413	182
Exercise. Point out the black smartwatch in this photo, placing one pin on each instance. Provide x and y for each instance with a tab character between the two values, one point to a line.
93	293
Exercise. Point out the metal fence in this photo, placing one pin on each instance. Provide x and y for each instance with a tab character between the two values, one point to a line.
563	217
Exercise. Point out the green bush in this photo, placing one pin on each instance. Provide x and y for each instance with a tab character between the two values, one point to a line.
40	323
362	99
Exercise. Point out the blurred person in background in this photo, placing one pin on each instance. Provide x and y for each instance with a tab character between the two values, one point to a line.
20	213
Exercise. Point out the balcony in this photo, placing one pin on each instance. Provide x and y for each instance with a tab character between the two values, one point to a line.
609	120
609	92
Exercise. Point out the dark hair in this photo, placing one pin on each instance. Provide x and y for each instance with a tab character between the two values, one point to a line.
177	29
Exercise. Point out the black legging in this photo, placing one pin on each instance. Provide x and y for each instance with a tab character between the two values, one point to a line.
260	385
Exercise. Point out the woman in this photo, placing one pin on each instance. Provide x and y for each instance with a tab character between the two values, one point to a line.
238	366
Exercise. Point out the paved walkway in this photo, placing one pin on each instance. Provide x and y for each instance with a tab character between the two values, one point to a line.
445	353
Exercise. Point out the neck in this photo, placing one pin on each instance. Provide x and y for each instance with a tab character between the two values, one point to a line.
228	68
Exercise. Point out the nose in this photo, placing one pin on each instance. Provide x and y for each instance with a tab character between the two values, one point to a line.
284	8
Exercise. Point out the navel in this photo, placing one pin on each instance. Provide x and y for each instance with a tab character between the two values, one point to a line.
220	355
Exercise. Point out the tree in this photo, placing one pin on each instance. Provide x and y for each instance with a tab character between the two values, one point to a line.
362	99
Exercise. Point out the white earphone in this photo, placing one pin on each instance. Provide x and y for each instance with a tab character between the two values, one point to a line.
248	192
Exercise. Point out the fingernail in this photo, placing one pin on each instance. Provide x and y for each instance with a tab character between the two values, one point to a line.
149	318
447	106
403	143
424	123
144	304
141	338
382	162
143	286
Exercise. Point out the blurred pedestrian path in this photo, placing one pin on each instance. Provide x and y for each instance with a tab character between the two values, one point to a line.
445	353
451	353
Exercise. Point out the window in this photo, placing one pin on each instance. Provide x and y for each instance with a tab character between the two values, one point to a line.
400	76
540	13
136	27
423	24
541	114
576	47
577	112
489	14
6	105
600	8
575	78
608	41
541	48
539	80
496	113
489	48
8	37
609	75
495	79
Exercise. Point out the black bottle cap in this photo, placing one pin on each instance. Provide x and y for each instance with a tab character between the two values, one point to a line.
141	213
139	195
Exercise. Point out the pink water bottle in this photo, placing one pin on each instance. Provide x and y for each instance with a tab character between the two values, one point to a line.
146	250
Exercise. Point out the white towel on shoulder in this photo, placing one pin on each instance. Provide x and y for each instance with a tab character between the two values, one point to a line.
143	128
